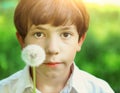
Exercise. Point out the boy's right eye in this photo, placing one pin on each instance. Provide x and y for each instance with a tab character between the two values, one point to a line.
39	35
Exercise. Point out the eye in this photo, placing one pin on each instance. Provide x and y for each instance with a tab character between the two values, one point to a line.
39	35
66	35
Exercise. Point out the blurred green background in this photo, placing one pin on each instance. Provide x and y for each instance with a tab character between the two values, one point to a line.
100	54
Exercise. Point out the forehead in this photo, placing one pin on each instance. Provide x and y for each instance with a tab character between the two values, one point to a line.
47	27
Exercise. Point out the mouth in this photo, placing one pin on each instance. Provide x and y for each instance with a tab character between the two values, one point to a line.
52	64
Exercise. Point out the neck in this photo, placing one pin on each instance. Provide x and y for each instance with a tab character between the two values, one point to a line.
52	82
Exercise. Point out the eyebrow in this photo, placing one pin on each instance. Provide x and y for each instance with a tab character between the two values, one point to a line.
59	27
66	27
41	28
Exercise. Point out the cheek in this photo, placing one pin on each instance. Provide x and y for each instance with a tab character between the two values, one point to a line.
29	40
70	54
71	49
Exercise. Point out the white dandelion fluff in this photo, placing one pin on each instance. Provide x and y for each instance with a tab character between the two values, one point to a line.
33	55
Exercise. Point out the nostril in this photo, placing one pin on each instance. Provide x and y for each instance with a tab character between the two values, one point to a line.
51	52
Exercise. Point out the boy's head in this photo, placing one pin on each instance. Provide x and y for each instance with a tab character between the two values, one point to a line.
55	12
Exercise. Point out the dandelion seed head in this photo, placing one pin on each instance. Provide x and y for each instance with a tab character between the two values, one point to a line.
33	55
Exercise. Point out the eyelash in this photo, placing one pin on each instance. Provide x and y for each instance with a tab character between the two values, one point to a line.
63	35
39	34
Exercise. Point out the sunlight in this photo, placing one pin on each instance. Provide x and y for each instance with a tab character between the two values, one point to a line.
104	2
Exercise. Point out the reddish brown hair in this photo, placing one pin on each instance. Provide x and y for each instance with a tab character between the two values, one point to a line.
56	12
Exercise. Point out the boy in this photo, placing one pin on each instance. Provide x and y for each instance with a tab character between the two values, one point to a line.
59	27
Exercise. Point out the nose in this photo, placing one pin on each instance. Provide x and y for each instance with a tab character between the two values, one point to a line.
52	46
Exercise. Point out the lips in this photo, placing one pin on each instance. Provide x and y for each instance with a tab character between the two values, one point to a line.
52	64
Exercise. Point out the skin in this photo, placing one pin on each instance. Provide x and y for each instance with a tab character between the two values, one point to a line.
60	44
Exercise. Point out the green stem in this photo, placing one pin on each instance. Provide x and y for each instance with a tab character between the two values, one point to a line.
34	80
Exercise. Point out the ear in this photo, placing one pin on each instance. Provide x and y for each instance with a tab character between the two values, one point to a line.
20	39
80	42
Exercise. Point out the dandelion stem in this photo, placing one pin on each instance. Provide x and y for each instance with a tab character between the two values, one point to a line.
34	80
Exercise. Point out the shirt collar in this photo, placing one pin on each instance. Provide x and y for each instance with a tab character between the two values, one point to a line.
78	81
26	79
68	85
75	83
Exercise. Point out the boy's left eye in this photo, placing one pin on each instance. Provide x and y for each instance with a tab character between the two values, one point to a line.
66	35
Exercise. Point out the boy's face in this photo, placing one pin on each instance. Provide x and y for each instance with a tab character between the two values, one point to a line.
60	45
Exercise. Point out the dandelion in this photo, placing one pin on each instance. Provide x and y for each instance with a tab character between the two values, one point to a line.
33	55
